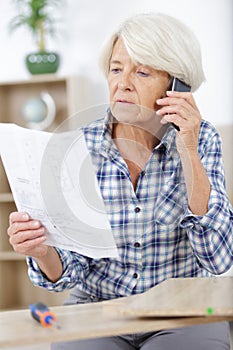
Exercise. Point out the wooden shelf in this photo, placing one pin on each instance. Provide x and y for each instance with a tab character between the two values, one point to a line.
67	92
11	256
6	197
35	79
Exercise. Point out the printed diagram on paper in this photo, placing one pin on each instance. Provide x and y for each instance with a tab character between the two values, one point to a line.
52	179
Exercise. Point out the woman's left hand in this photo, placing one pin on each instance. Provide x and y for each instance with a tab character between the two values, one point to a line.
180	108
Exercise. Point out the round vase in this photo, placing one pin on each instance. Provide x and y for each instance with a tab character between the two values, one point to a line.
42	62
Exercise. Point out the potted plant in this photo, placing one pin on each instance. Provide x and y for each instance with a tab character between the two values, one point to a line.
36	15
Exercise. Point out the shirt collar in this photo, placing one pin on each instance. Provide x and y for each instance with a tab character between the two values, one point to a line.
107	146
168	139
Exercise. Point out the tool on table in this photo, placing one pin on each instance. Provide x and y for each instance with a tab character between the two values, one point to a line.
41	313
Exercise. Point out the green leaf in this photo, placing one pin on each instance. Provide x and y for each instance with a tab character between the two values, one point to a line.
37	16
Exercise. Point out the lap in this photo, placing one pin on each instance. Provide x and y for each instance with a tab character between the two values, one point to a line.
212	336
110	343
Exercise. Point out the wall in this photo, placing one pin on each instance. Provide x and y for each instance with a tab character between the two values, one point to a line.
83	25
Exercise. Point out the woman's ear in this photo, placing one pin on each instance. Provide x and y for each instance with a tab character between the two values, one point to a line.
169	86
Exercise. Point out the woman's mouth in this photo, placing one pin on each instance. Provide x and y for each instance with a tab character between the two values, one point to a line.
124	101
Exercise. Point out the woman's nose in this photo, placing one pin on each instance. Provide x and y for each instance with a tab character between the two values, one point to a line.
125	82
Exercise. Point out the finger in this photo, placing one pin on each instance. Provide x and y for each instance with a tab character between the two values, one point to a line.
166	101
29	235
187	96
178	121
171	118
174	109
27	247
170	101
180	94
18	226
18	216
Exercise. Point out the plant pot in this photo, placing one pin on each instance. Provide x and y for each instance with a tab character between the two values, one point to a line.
42	62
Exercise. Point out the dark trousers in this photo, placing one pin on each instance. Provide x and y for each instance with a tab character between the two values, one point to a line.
212	336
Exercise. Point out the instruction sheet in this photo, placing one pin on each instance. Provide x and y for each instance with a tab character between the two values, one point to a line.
52	178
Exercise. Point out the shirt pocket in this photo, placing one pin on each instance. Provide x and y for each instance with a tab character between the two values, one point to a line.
170	205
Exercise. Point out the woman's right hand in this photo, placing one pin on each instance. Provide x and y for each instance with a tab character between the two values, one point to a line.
27	235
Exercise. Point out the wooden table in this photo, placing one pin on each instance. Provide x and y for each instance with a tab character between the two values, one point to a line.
172	304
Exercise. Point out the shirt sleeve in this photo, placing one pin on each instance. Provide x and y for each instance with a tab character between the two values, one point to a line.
211	235
75	267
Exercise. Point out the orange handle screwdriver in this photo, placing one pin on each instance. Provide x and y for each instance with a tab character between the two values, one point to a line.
41	313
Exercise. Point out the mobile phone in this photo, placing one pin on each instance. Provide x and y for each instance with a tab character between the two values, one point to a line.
178	85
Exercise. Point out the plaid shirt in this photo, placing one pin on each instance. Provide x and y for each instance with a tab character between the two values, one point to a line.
157	235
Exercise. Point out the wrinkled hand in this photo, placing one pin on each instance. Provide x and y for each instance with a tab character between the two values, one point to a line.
26	235
180	108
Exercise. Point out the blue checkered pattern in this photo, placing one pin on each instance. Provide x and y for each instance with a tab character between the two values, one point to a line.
156	234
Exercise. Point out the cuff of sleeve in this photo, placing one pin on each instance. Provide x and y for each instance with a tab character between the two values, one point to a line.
213	219
39	279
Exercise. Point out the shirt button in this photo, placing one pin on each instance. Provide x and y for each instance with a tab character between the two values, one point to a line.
137	244
137	210
135	275
143	173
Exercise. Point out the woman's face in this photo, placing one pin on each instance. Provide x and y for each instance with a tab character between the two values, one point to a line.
133	88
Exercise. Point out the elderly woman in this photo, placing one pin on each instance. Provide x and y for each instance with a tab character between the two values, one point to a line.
163	189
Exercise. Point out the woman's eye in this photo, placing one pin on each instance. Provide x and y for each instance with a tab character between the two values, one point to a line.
143	74
115	70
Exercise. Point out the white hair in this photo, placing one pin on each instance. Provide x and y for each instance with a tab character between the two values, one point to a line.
161	42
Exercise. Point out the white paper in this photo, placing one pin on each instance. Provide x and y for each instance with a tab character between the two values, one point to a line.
52	179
